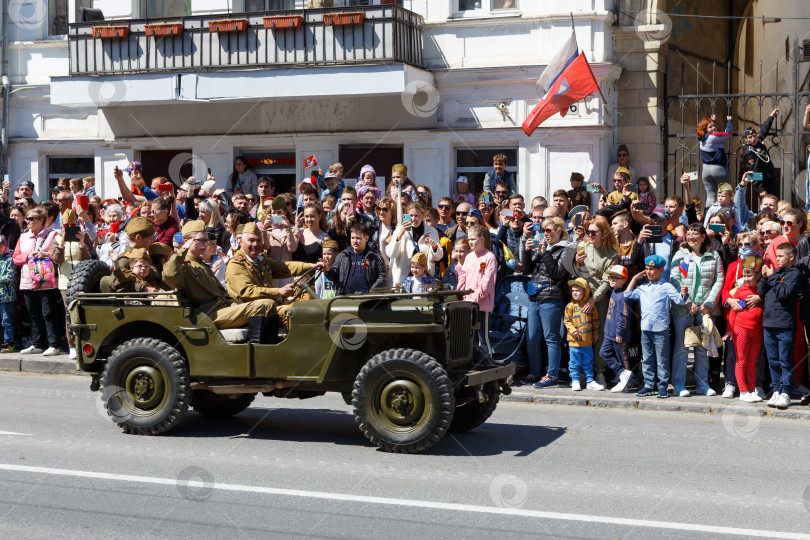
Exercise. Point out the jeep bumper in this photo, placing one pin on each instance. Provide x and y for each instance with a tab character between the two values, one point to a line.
479	377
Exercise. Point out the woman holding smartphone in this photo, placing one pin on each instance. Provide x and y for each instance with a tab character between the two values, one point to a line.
312	235
279	238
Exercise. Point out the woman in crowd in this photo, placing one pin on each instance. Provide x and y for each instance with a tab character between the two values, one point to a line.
387	214
242	179
18	215
165	224
698	271
345	216
209	213
233	218
312	235
410	237
115	238
39	286
546	262
488	211
281	240
593	259
425	195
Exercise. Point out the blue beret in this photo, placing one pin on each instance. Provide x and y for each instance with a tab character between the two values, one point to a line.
656	261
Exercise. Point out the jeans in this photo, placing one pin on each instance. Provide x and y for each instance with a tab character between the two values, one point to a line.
681	355
47	314
614	354
655	349
580	357
713	176
779	344
544	321
7	316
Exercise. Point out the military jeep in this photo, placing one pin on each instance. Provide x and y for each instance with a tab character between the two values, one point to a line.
406	363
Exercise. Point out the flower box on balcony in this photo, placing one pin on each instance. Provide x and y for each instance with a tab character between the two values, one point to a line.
107	32
283	21
164	29
228	25
339	19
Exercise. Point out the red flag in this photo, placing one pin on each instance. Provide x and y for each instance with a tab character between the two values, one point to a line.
575	83
310	162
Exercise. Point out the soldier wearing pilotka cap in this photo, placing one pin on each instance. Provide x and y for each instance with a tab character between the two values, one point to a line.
186	271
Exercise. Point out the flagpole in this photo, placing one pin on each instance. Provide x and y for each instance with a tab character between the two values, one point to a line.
604	101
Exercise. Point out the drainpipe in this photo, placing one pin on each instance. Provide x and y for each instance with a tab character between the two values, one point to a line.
6	86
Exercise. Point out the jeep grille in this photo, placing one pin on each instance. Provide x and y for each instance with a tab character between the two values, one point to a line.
462	321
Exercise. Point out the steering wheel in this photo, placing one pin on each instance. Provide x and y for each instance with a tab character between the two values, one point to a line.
305	282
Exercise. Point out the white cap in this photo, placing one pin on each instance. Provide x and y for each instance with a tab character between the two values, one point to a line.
209	186
462	179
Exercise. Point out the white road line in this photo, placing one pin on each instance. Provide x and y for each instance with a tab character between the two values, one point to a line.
13	433
429	505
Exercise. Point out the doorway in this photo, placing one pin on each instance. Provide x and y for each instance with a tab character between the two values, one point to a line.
162	163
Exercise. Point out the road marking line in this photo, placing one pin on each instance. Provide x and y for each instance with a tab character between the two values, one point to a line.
13	433
429	505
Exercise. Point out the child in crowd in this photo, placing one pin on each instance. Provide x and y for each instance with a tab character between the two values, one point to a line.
478	273
89	184
713	155
725	200
583	331
617	329
8	296
656	297
745	329
462	193
332	186
779	289
646	195
460	250
133	279
368	177
325	288
578	194
419	280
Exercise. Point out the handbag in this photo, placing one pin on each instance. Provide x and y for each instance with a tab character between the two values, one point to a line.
693	337
43	273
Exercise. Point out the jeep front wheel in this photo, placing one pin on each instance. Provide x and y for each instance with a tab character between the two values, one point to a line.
145	386
214	405
403	401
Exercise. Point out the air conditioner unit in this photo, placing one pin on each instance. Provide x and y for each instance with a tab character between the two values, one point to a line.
804	55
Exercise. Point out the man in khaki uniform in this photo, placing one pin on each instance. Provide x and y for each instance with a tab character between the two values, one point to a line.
249	272
185	271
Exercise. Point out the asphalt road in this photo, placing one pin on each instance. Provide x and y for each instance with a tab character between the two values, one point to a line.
302	469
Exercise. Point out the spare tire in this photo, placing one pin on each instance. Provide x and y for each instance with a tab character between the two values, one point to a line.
86	277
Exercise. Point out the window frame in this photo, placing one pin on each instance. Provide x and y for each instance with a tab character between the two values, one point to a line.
51	175
491	151
488	11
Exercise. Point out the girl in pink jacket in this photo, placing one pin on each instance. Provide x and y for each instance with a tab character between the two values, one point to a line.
478	273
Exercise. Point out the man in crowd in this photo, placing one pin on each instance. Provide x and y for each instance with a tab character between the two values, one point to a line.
459	230
445	208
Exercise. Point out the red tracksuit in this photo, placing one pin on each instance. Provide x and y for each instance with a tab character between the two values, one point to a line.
746	327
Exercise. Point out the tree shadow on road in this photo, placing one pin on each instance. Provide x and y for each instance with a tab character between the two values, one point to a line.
339	427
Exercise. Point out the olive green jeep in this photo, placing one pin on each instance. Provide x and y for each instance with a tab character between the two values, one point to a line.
405	362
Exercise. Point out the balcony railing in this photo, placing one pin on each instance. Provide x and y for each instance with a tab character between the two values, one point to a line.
387	34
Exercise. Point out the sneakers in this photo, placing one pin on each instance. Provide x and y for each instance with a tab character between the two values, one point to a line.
8	348
728	391
705	391
52	351
72	354
593	385
600	378
760	392
681	391
783	402
750	397
662	394
33	349
624	378
528	380
546	382
575	386
774	398
645	392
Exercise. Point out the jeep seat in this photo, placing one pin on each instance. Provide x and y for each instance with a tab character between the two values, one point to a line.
234	335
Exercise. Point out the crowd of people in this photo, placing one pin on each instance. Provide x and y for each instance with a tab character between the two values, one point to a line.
619	298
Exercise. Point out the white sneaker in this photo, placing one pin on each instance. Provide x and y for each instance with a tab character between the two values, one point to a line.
593	385
728	391
783	402
773	400
29	350
575	386
760	392
624	378
753	397
72	354
600	378
52	351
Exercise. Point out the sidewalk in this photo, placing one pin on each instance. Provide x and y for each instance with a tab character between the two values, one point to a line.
36	363
715	405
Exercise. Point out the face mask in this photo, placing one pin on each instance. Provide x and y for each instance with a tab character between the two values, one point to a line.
746	252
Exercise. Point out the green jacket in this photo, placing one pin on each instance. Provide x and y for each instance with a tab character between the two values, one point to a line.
711	278
594	270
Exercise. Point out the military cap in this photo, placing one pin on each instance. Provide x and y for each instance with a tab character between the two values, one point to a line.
137	253
279	203
161	249
330	244
251	228
399	167
419	258
193	227
753	262
140	225
69	216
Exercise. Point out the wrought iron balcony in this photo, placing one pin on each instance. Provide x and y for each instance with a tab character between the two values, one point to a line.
274	39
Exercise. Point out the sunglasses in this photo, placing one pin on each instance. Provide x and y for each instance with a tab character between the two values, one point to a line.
501	192
201	240
784	222
462	213
770	232
266	206
32	219
445	206
622	155
382	209
422	193
593	233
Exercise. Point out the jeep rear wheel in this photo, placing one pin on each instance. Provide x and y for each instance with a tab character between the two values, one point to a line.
208	403
403	401
145	386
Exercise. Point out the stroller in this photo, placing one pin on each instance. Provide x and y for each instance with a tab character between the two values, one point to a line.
509	319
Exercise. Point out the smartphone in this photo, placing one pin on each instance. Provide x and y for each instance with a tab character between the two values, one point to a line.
578	220
641	206
168	186
83	201
277	220
72	234
486	199
508	213
406	218
592	188
537	227
755	176
692	176
741	303
717	227
632	187
657	234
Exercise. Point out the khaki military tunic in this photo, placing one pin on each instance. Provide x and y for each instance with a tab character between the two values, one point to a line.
247	279
189	274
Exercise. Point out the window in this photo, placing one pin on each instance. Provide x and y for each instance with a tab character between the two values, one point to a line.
281	165
474	163
163	9
269	5
70	167
57	17
486	5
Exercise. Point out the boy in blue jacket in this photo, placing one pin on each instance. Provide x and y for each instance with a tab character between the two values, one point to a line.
779	289
617	329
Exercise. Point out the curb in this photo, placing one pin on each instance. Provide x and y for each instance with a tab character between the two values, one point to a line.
60	365
710	406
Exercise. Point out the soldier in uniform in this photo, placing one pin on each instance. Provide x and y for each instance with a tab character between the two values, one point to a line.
250	272
185	271
135	279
